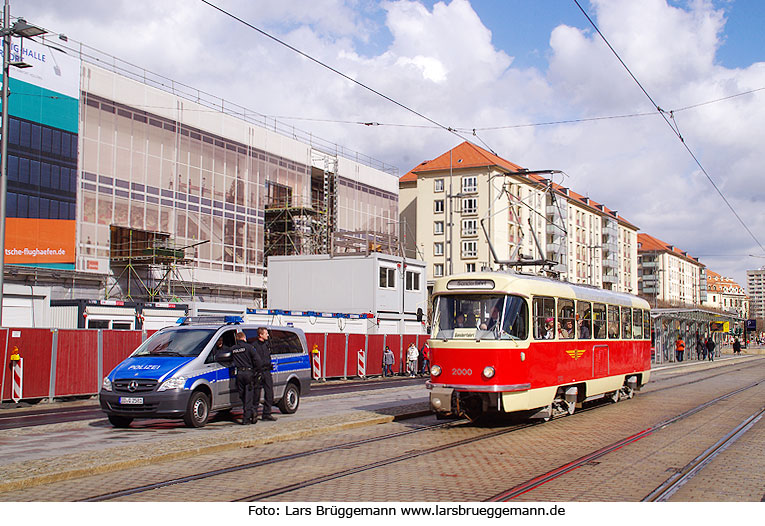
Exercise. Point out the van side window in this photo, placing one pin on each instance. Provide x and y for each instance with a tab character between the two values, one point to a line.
284	342
544	318
228	338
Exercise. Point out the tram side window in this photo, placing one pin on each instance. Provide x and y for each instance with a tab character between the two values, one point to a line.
613	322
584	320
626	323
599	321
637	324
646	324
515	323
544	318
566	318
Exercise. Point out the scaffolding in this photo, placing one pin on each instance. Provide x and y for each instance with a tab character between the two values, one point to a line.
147	261
292	230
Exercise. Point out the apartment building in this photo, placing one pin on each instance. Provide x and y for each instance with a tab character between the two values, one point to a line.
755	284
446	203
669	274
726	295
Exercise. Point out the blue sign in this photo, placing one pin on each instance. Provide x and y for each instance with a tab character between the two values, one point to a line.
751	325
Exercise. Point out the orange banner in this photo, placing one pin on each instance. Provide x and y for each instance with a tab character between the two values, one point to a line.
30	241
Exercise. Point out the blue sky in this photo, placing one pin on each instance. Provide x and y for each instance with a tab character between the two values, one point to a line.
486	63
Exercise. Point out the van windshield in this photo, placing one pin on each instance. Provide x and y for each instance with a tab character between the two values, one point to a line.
180	341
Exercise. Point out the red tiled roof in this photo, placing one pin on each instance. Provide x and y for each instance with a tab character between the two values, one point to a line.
465	155
468	155
648	243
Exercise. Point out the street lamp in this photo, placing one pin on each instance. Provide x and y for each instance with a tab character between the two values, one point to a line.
21	29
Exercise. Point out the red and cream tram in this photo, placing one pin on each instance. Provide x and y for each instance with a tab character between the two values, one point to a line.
507	342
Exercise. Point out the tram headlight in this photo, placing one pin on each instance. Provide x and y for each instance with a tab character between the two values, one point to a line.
435	370
488	372
107	384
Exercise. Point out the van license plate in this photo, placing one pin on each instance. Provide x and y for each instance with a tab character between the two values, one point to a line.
131	400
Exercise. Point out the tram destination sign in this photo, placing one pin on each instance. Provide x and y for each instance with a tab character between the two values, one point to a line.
458	284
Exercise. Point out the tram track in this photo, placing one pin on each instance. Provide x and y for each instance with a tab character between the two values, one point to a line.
664	491
669	486
287	488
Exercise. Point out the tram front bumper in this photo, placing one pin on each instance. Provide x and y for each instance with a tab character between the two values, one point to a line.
441	399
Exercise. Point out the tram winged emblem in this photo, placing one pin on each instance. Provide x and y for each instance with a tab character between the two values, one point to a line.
575	353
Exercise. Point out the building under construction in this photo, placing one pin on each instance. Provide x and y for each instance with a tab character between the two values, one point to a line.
168	193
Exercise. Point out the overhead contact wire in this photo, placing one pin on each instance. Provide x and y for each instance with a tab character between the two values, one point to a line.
672	127
319	62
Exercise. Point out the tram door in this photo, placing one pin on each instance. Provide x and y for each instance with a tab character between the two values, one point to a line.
600	361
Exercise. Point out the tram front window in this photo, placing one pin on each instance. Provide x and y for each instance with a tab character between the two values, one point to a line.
487	317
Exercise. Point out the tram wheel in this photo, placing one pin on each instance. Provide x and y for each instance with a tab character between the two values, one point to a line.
615	396
549	413
570	407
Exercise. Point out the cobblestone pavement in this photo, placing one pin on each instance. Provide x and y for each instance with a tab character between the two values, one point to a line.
468	473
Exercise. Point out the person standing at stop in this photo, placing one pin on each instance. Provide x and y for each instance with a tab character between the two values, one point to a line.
679	349
263	363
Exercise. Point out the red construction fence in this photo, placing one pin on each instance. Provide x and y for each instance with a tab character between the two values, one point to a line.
72	362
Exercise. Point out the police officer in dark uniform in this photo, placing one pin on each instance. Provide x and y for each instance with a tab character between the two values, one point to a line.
245	360
263	362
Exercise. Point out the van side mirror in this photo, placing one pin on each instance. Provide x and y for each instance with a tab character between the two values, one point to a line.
224	357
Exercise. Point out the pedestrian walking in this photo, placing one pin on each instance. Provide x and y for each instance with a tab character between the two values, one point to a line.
425	351
265	381
679	349
388	360
736	346
701	349
245	361
411	358
711	349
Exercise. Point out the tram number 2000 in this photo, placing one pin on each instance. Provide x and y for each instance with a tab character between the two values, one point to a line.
462	372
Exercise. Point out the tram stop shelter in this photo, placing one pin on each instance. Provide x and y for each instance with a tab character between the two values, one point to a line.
691	324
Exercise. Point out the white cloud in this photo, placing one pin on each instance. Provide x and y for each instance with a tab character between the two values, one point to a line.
443	63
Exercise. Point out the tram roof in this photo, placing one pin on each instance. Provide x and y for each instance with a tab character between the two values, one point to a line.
530	285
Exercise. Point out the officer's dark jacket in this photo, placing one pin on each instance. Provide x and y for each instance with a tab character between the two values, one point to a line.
263	356
243	355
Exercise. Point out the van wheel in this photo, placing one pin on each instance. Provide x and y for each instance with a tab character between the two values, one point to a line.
120	421
290	400
198	410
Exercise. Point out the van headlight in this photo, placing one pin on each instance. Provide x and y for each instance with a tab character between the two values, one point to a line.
176	382
107	384
435	370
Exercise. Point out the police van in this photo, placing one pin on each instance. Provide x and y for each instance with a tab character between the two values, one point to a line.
180	372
